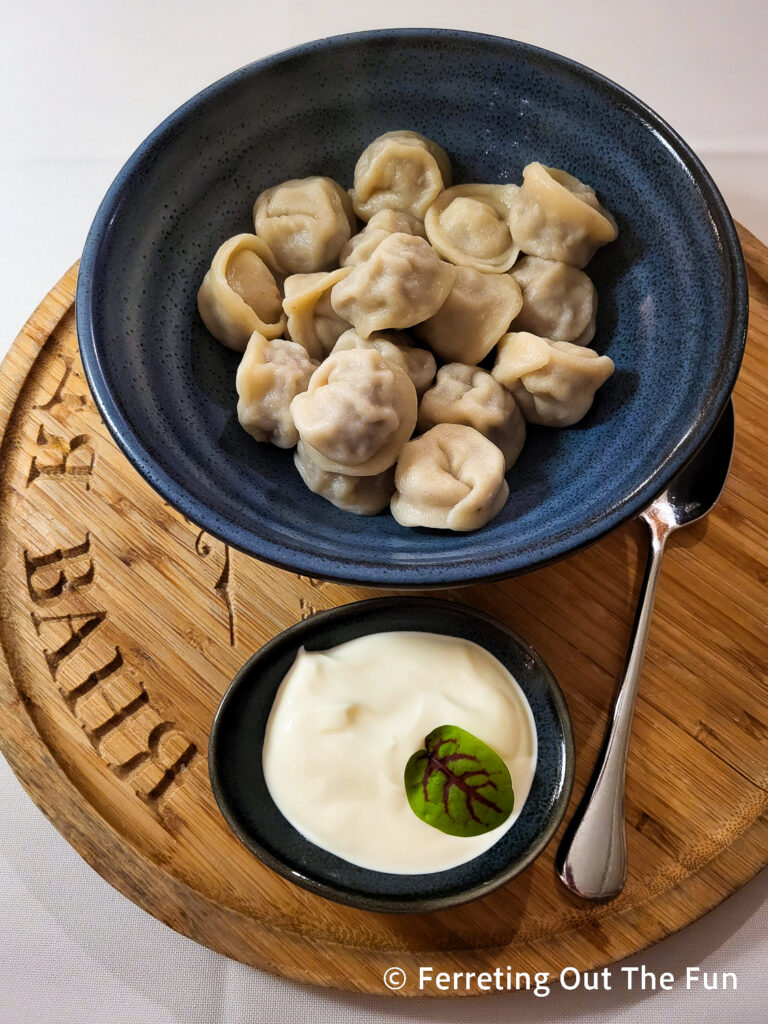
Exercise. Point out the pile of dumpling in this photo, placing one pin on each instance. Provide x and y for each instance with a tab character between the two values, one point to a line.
343	330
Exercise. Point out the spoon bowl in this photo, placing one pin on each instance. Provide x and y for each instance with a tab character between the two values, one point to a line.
696	488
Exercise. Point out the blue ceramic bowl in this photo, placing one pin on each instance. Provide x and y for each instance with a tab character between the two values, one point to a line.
237	779
673	297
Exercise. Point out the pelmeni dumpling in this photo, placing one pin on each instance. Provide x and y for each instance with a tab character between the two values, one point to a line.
559	301
399	171
554	382
311	318
401	284
306	222
451	478
239	294
357	413
396	346
467	225
557	217
469	395
386	222
270	375
478	310
363	495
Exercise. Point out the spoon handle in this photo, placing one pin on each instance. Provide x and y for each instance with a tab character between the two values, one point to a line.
592	858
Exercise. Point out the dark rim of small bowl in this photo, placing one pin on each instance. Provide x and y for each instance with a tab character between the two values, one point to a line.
291	637
412	577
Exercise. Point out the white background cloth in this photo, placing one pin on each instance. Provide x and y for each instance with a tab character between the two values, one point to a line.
82	84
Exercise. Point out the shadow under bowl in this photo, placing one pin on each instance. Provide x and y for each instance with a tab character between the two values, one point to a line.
237	779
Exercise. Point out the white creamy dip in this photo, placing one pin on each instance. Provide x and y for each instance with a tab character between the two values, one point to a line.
345	721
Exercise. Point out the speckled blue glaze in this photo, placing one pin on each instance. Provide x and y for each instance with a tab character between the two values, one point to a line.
673	297
237	736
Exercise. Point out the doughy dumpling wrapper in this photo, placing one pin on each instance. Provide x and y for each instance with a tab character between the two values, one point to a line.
306	222
399	170
468	225
451	478
312	320
363	495
396	346
386	222
357	413
554	382
270	375
239	294
559	301
475	315
403	283
469	395
558	217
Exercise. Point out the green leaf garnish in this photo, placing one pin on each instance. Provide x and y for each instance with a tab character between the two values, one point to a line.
458	784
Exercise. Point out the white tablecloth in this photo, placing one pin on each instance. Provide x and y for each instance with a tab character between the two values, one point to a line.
82	84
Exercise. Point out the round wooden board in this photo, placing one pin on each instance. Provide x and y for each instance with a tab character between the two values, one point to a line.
122	624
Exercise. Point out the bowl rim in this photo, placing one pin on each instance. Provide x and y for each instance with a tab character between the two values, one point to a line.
383	573
292	636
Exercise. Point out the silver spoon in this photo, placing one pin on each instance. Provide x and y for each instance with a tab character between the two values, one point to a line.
592	859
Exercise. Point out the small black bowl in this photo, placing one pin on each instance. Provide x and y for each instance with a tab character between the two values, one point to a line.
237	779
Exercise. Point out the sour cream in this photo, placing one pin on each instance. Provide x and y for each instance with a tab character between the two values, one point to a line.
345	721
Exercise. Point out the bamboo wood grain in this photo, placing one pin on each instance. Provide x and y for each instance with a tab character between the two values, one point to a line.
121	625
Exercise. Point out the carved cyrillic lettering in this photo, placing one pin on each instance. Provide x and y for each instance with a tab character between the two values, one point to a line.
34	564
173	752
75	458
118	708
61	396
154	771
100	705
223	585
125	746
55	657
122	713
110	703
141	749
